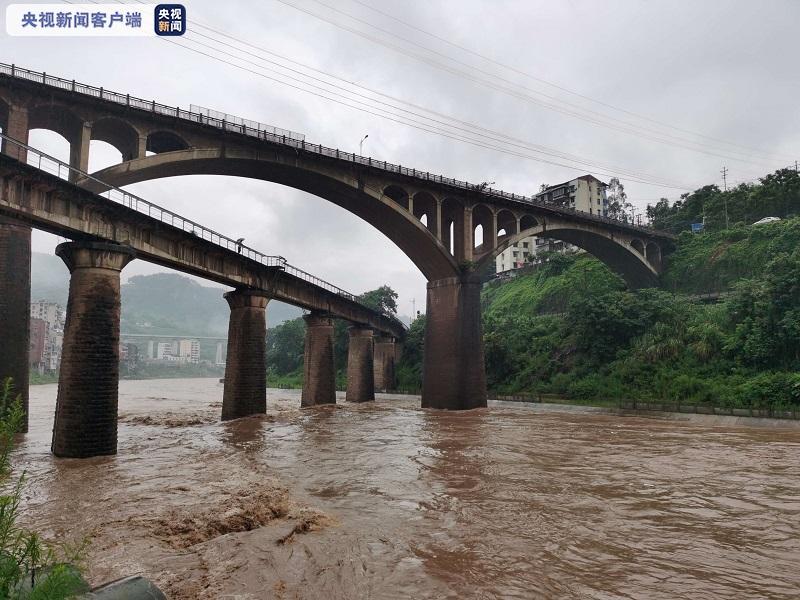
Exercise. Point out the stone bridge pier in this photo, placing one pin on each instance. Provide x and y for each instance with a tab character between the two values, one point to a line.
453	370
15	272
245	390
386	350
86	407
360	375
319	383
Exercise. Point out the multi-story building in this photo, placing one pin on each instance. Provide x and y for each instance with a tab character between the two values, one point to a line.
585	193
38	344
51	312
189	350
47	325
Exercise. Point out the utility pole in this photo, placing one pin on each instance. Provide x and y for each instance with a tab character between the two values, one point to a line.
413	308
725	197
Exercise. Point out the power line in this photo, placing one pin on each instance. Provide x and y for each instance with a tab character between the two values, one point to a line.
597	119
494	136
408	122
554	85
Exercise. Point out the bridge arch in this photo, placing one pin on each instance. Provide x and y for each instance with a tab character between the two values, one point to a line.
483	218
425	206
506	225
119	133
368	202
398	194
57	118
163	140
620	257
638	246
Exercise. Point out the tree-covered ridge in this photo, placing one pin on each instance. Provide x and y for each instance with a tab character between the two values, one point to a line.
714	261
776	195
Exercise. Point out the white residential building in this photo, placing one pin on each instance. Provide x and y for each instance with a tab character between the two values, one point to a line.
585	194
189	350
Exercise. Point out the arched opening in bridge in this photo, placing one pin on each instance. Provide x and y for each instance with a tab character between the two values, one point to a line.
527	222
506	225
102	155
165	141
638	246
653	255
425	210
398	194
477	236
483	225
58	119
51	143
118	134
453	220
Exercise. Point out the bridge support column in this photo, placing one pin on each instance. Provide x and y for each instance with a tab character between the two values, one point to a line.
86	407
319	383
384	361
453	369
360	376
15	311
15	274
79	151
245	390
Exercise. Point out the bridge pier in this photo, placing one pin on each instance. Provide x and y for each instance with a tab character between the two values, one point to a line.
319	383
453	369
384	362
86	407
245	391
360	375
15	311
15	272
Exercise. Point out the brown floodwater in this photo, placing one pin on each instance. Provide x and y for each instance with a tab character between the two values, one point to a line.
387	500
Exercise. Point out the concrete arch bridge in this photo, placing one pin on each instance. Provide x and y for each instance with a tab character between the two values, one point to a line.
433	219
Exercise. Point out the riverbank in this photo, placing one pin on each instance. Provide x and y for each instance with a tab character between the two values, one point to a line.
385	499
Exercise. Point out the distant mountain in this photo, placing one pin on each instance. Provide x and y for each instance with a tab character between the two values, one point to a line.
163	303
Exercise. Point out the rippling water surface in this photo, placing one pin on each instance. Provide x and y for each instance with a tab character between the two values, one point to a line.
504	502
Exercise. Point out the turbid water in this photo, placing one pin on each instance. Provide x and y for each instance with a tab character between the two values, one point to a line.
386	500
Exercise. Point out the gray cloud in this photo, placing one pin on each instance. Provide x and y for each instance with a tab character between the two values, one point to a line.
727	69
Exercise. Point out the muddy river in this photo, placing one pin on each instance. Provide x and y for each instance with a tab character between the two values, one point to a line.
386	500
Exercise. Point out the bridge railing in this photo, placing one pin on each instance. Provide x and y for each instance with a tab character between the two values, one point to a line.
49	164
226	122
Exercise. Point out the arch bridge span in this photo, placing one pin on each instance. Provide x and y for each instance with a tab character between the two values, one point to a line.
431	218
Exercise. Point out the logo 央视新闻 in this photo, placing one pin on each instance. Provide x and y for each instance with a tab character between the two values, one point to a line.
170	19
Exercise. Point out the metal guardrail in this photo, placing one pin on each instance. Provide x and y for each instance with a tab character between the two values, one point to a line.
49	164
287	138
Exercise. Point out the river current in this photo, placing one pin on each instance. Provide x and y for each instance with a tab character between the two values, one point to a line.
386	500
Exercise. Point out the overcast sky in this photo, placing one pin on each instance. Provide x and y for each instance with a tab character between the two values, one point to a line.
727	70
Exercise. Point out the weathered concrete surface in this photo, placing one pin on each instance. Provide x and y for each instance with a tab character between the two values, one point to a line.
384	363
86	409
15	271
360	376
319	383
246	367
453	368
15	298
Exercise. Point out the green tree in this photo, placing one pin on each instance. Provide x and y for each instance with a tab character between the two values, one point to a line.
618	205
383	300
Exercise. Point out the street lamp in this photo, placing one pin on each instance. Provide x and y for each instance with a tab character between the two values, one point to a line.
361	144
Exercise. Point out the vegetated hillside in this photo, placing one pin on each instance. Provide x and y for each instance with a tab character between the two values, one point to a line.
714	261
570	328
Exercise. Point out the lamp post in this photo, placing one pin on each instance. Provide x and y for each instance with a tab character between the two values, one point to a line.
361	144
